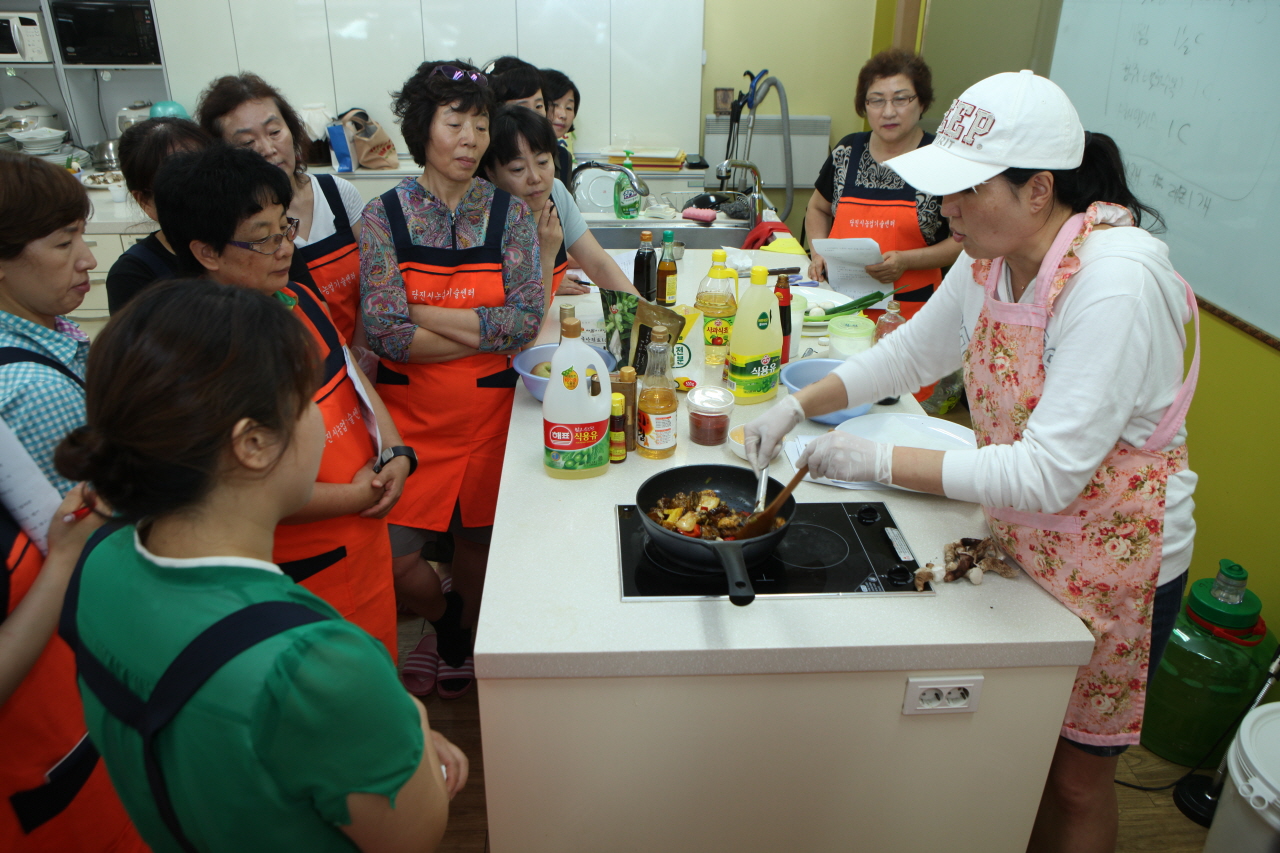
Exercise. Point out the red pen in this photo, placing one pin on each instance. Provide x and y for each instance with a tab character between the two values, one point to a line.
77	515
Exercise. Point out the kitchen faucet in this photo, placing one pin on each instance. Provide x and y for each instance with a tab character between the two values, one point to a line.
759	201
637	183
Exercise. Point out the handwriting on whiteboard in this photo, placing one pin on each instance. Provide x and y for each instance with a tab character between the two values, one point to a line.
1158	189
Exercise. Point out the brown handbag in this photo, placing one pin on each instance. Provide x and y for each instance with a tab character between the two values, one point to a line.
373	148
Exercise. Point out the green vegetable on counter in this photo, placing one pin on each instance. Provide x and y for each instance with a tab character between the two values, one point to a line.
850	307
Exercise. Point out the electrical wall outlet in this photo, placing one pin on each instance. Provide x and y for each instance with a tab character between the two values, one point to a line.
942	694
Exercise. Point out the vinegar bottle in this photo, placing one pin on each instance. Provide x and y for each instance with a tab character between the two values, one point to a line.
755	350
656	418
575	422
667	270
717	303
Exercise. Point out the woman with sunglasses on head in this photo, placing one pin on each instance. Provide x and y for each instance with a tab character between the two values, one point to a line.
858	195
224	210
451	286
270	722
248	112
562	102
143	147
521	151
1068	322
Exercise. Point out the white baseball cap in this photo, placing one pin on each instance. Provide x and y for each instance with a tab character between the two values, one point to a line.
1009	120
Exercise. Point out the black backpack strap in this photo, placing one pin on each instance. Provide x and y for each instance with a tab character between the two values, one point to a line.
16	355
329	187
194	665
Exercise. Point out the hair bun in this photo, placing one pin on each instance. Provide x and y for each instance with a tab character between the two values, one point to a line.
78	456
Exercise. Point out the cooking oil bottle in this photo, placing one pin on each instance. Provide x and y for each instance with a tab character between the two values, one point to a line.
575	422
755	350
717	303
656	418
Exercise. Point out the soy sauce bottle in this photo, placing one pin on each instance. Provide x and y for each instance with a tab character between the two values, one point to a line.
645	277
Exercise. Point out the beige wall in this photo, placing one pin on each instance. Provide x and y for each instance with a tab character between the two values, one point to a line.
813	47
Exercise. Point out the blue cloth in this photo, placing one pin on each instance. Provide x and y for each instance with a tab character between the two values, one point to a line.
37	402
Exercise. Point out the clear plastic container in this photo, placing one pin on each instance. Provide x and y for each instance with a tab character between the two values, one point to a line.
851	334
709	410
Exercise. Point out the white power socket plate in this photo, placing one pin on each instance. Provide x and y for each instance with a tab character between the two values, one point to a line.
956	694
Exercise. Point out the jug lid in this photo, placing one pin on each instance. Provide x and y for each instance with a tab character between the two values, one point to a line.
1211	609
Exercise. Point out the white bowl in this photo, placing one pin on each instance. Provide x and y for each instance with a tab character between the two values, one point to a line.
527	360
739	449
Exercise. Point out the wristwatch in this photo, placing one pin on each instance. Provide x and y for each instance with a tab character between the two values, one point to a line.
391	453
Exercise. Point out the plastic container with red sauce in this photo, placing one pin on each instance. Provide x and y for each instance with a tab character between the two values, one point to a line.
709	410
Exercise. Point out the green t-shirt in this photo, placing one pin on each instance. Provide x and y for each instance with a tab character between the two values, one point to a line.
266	752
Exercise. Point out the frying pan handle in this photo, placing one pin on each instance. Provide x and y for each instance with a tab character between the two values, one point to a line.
735	567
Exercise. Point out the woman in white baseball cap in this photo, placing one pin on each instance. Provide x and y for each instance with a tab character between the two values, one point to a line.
1070	322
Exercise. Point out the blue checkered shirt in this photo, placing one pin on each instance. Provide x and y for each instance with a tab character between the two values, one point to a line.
37	402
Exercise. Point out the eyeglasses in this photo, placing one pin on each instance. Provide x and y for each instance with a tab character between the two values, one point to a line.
455	73
898	101
269	245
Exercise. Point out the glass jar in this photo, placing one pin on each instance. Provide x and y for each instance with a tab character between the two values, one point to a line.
851	334
709	410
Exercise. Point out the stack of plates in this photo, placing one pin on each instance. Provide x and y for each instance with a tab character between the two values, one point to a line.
40	141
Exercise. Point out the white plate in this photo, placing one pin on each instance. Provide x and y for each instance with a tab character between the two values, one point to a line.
816	295
911	431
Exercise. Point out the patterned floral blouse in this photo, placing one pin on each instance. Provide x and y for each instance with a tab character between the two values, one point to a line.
851	171
431	223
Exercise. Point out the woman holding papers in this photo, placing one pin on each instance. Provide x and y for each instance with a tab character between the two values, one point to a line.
857	195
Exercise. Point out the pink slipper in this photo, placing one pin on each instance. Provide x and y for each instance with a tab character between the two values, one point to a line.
419	672
455	681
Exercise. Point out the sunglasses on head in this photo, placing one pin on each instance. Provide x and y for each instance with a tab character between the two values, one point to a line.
455	73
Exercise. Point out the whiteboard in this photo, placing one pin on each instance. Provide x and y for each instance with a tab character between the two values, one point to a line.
1190	91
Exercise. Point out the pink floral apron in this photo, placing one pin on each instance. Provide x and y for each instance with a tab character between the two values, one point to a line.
1101	555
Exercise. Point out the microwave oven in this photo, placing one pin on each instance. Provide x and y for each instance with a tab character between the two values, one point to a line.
22	38
106	32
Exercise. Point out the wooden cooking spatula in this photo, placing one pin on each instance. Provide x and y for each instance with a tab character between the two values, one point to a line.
762	522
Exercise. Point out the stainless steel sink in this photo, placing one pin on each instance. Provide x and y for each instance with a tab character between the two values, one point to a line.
625	234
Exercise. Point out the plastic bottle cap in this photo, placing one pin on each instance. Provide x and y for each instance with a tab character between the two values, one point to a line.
710	400
824	341
570	327
659	335
718	256
1208	607
618	403
668	236
893	306
646	236
759	275
627	374
1235	571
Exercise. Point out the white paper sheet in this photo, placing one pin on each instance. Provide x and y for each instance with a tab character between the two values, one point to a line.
24	491
847	260
794	446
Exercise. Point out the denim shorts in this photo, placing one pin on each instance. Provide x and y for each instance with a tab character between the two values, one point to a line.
1164	612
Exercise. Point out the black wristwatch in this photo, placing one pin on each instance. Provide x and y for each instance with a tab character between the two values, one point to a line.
391	453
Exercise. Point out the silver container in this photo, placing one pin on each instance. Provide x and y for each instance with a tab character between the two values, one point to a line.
106	155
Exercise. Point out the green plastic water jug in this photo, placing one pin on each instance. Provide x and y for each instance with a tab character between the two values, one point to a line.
1212	669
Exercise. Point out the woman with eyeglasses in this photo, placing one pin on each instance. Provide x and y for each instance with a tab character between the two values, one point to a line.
246	111
451	285
857	195
224	210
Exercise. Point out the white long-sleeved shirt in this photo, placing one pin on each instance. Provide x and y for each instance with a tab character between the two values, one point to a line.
1113	364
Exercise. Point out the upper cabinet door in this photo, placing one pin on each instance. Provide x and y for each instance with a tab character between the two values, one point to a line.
472	30
375	48
286	43
199	46
573	36
656	79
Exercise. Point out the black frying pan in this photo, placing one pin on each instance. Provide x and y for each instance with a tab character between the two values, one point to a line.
736	487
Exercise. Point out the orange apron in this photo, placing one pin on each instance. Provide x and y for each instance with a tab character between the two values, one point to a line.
562	266
1101	555
455	414
346	560
56	794
334	264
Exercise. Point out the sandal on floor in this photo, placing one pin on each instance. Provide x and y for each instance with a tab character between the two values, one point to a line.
420	671
455	681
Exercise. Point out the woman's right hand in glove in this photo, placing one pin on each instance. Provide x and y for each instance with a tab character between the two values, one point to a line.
765	433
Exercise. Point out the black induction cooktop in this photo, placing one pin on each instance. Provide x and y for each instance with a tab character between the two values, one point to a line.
832	549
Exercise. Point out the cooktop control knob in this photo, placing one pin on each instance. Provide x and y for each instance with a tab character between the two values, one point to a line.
868	515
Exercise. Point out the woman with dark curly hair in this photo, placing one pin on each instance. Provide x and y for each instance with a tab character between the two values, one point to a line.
451	285
245	110
857	195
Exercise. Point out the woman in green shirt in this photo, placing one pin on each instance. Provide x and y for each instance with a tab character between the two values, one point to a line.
289	730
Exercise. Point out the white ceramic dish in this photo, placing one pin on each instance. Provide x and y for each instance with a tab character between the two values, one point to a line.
739	449
817	295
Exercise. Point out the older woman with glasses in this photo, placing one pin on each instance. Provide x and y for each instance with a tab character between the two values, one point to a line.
858	195
451	285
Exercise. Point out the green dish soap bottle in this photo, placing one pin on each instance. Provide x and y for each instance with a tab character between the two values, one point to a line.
626	201
1212	669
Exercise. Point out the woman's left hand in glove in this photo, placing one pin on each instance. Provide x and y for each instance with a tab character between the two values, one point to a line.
841	456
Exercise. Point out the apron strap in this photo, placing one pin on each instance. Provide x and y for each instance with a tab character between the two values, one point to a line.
15	355
188	672
498	219
335	360
329	187
395	218
37	806
1176	414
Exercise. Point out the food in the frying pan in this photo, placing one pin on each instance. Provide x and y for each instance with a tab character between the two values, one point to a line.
701	515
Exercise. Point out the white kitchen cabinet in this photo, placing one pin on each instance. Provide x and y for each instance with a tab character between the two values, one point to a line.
199	46
286	42
473	30
576	37
655	74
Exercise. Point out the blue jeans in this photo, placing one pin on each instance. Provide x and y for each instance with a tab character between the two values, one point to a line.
1164	612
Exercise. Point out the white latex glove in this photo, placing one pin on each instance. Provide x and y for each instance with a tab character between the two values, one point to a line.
763	435
840	456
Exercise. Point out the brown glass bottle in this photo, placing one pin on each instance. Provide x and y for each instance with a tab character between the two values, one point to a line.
645	277
667	271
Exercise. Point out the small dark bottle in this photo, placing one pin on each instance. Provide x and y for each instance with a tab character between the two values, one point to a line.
783	291
618	428
645	278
